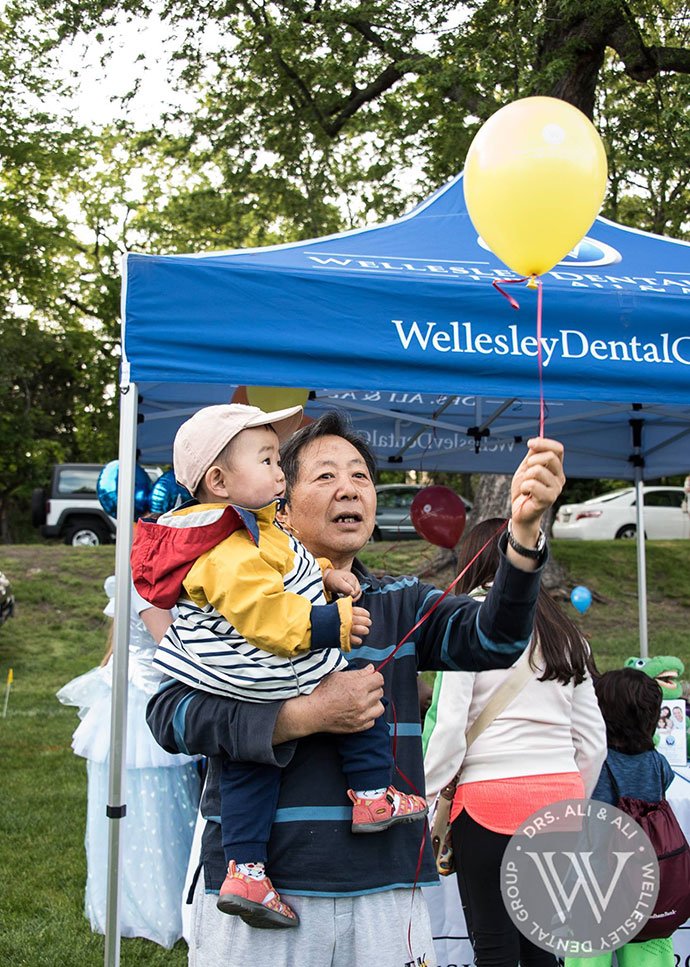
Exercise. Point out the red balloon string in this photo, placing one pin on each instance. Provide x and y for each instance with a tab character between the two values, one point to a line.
406	637
402	775
418	870
533	282
445	594
497	283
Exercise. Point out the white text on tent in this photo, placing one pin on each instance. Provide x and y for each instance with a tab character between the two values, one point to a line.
456	337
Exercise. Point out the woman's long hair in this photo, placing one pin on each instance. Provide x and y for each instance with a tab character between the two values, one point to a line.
564	650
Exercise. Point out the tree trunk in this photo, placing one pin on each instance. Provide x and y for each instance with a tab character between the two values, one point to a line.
571	50
5	535
491	497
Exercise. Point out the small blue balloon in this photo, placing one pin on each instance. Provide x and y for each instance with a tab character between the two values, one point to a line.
581	598
167	493
106	489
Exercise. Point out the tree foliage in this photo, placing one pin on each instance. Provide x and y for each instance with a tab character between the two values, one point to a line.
309	116
319	111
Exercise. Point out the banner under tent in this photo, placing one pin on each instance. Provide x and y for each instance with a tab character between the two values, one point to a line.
399	324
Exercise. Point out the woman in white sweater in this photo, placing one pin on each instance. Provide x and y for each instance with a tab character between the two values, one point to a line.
548	744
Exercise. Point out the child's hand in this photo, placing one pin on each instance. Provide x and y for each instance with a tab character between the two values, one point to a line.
361	623
342	582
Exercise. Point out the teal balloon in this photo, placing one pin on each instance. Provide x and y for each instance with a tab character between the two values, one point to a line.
167	494
581	598
106	489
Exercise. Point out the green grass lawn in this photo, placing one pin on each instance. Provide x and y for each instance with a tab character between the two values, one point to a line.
610	569
59	632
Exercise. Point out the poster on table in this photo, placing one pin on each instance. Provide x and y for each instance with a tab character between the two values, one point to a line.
670	733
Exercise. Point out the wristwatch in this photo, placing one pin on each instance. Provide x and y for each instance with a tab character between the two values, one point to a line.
532	552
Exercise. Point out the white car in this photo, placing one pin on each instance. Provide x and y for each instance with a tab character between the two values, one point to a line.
614	516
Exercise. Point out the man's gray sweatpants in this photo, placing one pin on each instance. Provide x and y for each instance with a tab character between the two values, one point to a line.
333	932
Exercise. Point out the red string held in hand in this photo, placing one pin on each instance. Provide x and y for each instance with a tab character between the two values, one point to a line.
445	594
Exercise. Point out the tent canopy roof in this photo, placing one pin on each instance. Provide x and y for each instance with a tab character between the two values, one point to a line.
400	325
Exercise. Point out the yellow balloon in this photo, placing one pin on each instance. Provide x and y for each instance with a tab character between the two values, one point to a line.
269	398
535	178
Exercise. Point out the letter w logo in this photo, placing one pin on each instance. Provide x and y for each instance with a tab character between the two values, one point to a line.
584	879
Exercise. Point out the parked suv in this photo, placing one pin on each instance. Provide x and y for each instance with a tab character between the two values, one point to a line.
70	510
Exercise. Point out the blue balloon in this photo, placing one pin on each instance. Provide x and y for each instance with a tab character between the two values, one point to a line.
106	489
581	598
167	493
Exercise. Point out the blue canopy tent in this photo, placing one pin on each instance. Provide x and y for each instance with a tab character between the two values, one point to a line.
399	325
382	322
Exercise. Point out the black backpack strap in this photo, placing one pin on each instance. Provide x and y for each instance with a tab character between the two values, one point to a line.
660	765
614	784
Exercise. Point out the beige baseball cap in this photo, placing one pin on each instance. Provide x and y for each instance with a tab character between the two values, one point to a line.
199	441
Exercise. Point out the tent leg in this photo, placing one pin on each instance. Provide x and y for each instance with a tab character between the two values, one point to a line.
118	717
641	564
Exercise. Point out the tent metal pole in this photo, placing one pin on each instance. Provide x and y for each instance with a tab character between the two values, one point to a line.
641	564
116	808
637	460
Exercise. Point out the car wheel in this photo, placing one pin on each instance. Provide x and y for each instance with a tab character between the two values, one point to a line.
627	533
38	506
376	535
86	534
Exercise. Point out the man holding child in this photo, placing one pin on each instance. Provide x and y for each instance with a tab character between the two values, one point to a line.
354	895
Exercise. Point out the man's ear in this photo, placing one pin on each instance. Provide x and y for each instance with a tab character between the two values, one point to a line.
214	483
283	517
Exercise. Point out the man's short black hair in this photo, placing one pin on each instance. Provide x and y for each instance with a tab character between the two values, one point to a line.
332	423
630	703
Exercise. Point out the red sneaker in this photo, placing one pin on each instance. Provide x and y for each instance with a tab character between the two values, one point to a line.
372	815
255	901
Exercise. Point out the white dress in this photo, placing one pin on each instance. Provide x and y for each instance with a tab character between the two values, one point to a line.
161	792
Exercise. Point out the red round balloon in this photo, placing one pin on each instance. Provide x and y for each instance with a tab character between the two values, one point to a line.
438	515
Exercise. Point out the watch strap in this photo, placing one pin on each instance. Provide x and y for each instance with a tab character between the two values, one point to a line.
534	553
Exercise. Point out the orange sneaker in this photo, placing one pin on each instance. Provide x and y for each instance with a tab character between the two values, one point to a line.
372	815
255	901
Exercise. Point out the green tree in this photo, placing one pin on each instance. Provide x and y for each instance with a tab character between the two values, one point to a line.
54	369
309	106
48	385
310	116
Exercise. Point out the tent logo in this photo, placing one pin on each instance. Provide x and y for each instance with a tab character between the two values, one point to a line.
591	252
588	252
